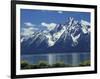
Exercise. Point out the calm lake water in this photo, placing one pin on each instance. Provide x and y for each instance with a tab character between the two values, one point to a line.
51	58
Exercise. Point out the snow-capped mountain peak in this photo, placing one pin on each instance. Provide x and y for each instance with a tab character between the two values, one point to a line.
66	35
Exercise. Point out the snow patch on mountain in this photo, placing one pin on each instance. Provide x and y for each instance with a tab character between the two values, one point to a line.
50	41
75	39
84	25
58	34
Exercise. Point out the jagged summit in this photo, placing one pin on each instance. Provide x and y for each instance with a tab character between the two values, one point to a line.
72	36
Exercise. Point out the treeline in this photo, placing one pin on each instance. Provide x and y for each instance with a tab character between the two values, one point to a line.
44	64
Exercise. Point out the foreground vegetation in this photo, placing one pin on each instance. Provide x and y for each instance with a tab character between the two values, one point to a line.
85	63
44	64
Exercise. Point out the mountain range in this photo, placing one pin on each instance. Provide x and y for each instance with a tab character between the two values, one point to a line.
70	36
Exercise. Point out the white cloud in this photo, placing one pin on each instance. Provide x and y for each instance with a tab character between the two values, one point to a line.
60	12
83	22
28	31
44	24
49	26
29	24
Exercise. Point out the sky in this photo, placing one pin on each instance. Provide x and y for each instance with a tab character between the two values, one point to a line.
38	18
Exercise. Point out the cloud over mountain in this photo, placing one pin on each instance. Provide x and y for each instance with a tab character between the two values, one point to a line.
49	26
29	24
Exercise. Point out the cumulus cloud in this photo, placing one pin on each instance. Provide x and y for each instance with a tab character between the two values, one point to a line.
29	24
44	24
27	31
49	26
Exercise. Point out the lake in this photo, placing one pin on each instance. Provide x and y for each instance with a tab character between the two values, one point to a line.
68	58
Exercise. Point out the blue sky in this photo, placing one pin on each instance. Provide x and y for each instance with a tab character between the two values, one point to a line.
37	17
